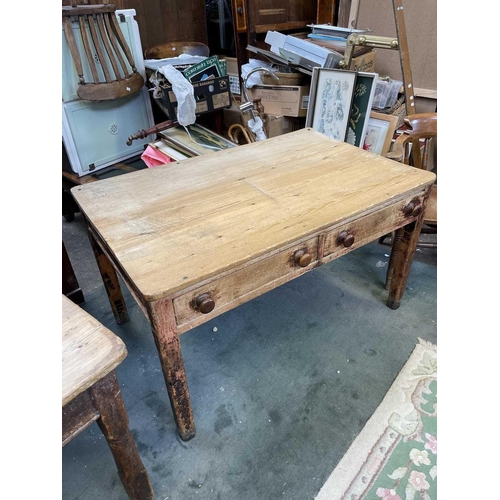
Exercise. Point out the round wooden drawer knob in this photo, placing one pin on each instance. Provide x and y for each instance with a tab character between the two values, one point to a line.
345	238
205	303
412	209
302	258
416	211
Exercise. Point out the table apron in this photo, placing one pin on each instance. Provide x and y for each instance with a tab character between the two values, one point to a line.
271	271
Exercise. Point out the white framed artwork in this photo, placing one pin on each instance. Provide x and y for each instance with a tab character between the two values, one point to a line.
379	133
330	101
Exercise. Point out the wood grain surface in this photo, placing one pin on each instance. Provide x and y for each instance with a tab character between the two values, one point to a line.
173	226
89	350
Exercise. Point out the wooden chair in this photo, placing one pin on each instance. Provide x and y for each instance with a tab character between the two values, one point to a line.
115	75
174	49
90	392
417	147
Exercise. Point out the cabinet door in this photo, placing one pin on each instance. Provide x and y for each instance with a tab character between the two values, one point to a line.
98	131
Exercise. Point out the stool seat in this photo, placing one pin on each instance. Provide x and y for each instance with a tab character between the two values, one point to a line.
91	393
89	350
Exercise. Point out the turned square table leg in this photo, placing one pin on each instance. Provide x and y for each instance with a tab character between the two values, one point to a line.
114	424
162	317
111	283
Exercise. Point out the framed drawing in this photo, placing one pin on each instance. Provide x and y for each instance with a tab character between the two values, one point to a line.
379	132
330	101
364	90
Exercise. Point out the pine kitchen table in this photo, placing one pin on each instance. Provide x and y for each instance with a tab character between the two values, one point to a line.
196	238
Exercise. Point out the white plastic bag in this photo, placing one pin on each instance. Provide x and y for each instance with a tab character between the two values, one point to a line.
184	93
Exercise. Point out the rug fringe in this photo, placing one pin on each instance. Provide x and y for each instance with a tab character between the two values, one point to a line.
427	344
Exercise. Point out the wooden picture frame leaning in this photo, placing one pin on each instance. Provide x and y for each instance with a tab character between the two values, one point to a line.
379	133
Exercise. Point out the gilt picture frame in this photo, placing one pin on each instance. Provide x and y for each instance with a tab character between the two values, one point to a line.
379	133
330	101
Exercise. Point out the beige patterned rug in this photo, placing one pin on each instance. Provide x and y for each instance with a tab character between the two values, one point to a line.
394	457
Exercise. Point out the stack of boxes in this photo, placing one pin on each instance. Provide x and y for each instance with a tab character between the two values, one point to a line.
286	101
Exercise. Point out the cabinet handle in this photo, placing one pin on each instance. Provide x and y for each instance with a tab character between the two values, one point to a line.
345	238
302	258
239	10
205	303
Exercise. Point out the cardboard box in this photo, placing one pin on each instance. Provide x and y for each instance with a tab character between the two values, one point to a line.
209	94
279	125
232	73
282	100
365	62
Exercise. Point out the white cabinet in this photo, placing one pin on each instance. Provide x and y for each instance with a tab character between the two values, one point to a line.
95	133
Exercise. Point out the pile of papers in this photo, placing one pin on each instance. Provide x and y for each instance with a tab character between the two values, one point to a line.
335	38
324	47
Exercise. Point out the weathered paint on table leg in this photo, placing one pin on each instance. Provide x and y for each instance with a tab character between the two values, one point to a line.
390	267
111	283
162	317
403	248
113	422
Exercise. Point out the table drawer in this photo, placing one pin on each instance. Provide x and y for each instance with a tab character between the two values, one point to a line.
360	231
238	287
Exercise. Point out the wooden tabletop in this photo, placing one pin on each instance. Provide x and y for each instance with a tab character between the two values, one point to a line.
89	350
173	226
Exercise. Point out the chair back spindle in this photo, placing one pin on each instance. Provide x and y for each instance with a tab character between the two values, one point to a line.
104	46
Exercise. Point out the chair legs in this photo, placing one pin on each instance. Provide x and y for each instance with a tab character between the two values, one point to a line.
420	244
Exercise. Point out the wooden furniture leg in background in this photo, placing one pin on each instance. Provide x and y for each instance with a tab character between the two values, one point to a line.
70	285
162	318
403	249
111	283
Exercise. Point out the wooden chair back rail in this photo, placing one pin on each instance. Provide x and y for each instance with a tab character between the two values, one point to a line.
412	147
415	147
107	40
174	49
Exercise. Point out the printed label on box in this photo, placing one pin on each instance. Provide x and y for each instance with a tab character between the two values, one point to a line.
201	106
281	100
221	100
364	62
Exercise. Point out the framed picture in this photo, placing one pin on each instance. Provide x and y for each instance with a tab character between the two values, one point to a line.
195	140
364	91
379	132
330	101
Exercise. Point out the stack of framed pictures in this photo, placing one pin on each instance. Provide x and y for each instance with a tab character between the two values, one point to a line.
340	106
195	140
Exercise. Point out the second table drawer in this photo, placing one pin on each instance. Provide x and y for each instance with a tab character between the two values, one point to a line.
350	236
215	297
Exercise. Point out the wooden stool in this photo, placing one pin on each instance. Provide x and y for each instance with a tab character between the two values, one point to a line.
90	392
